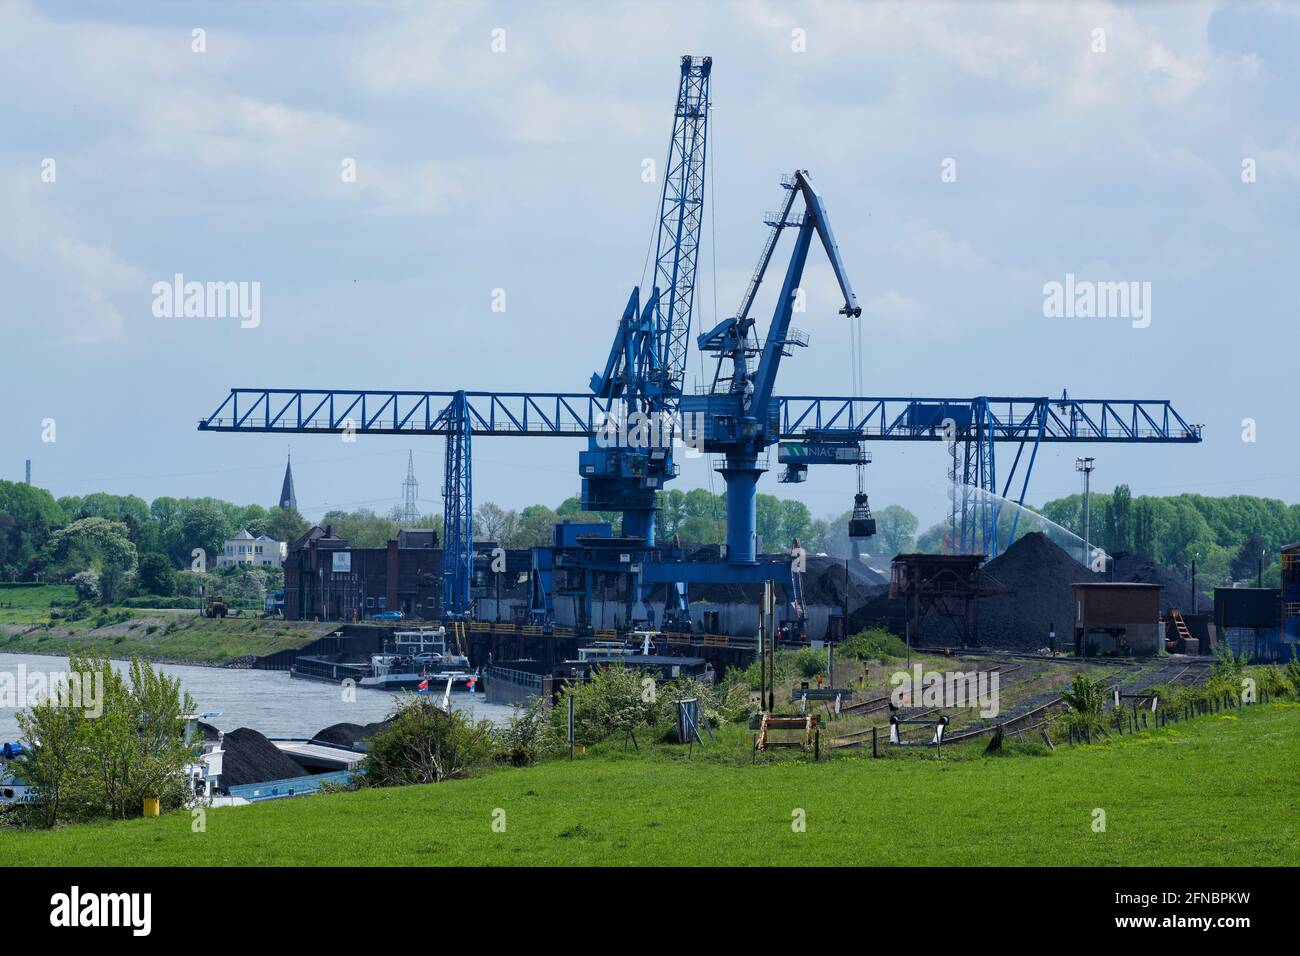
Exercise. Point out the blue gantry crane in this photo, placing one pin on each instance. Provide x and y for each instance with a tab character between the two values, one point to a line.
738	416
641	385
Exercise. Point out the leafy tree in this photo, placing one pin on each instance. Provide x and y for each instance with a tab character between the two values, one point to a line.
672	512
1120	520
28	516
935	539
1247	560
1144	531
106	763
86	584
796	521
285	524
199	524
56	765
156	575
362	528
895	531
699	529
494	523
536	527
138	747
94	544
125	509
768	523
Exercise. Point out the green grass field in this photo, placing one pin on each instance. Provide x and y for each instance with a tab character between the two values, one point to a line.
31	605
1218	790
164	635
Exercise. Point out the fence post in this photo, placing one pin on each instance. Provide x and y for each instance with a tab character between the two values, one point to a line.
875	750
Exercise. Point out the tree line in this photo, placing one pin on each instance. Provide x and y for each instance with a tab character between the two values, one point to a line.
136	547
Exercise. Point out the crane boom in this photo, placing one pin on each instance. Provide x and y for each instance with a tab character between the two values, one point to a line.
681	215
644	374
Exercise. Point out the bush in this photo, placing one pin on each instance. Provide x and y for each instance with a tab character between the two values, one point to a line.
809	663
87	585
422	743
1293	672
1086	703
614	702
875	643
529	736
175	602
750	679
1228	665
724	703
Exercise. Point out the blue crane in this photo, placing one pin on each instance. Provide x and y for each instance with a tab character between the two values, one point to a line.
739	416
641	384
973	425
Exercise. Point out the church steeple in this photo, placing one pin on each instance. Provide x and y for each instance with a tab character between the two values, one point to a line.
287	499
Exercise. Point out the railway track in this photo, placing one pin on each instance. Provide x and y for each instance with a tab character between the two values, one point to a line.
1031	720
1188	674
880	703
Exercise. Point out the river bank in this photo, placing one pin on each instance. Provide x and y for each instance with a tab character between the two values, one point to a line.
163	636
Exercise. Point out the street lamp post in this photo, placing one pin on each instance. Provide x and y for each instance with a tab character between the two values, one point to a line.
1085	465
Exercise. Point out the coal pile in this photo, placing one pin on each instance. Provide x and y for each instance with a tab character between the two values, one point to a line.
1177	590
251	758
1034	577
824	584
349	735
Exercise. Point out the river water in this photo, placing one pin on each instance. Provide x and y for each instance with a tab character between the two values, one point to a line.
268	701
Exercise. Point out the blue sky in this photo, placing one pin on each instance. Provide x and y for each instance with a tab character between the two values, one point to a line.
521	170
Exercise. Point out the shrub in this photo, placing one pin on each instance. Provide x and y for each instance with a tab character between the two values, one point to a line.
1086	703
875	643
809	663
87	585
1293	672
721	704
422	743
614	702
1229	665
529	736
750	679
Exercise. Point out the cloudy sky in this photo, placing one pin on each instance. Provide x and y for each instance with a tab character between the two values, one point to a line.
520	169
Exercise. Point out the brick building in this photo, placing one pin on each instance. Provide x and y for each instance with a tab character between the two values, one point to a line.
326	578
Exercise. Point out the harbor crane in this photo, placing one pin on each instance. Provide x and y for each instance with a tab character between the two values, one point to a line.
738	415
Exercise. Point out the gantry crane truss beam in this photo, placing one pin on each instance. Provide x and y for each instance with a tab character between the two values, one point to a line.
580	414
973	426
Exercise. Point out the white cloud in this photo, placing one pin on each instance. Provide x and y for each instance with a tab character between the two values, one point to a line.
69	286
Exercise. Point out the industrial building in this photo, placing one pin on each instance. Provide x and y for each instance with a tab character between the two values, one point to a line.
325	578
1118	618
328	579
